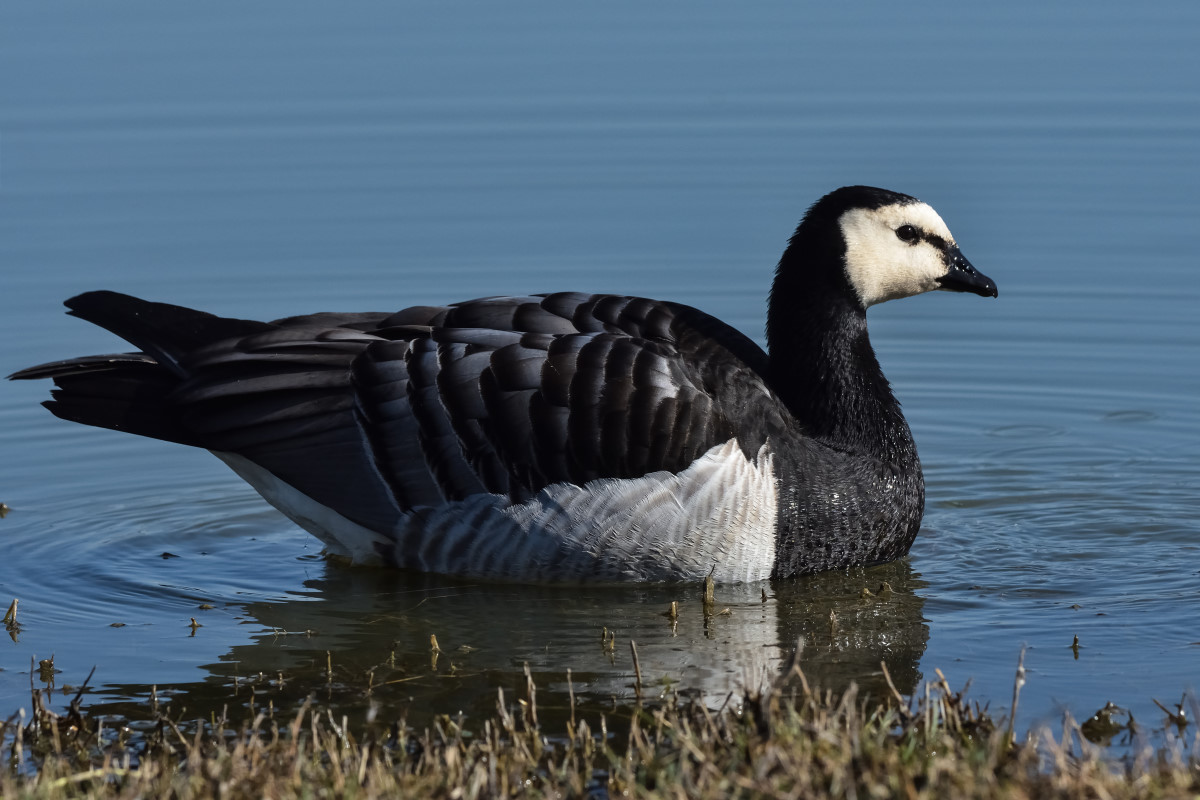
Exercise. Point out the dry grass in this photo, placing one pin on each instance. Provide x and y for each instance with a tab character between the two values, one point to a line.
784	741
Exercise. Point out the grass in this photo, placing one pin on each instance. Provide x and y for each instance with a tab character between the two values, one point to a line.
785	740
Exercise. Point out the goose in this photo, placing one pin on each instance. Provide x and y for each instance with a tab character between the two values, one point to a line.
560	437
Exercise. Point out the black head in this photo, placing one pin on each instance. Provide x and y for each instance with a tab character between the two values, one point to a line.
868	245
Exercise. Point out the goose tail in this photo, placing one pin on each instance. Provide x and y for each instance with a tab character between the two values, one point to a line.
131	391
164	331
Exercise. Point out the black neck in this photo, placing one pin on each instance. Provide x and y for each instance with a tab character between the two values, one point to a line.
823	367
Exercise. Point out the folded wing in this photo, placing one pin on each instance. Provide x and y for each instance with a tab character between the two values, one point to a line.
377	415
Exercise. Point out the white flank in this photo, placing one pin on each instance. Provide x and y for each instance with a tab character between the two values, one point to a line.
880	265
717	516
340	535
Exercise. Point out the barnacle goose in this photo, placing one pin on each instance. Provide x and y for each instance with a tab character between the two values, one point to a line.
566	436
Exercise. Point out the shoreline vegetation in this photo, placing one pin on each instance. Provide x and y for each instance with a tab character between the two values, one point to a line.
786	739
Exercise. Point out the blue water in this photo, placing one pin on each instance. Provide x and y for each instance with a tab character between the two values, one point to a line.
284	158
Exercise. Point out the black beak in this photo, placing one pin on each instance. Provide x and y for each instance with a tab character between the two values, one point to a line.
962	277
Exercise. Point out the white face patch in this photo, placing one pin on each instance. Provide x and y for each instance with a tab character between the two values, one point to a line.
882	266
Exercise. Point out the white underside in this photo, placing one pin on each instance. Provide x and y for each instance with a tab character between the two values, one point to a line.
717	516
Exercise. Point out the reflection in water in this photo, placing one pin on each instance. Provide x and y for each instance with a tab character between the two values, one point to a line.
374	629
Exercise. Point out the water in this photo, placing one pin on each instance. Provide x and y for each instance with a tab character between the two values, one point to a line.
280	159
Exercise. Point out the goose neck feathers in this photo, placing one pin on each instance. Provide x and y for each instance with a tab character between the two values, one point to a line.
822	364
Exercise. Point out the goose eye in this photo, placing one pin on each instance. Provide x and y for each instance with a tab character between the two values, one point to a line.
907	233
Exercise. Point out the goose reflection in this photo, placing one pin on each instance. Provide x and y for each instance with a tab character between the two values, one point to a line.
374	629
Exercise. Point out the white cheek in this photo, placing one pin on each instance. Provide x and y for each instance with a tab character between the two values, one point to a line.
880	281
921	268
879	265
